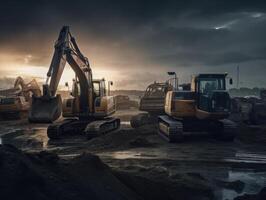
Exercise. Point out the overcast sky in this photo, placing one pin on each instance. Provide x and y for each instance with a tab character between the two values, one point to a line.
136	42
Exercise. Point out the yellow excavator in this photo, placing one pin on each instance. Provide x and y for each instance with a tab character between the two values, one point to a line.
15	102
203	108
89	108
152	104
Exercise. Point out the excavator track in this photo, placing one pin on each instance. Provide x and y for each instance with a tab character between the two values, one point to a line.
173	130
101	127
170	129
54	131
66	127
89	128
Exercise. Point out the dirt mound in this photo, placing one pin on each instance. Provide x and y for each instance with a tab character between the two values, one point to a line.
123	139
164	188
44	176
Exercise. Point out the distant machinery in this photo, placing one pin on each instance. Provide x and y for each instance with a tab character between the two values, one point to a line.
152	103
15	102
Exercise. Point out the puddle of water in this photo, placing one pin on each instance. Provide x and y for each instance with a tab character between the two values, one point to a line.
254	182
121	155
177	154
247	157
125	123
126	155
26	138
35	139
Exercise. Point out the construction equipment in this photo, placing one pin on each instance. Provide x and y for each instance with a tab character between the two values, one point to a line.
124	102
203	108
15	102
250	109
88	109
153	99
27	89
152	104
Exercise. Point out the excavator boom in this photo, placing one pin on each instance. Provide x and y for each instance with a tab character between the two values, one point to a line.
48	107
86	110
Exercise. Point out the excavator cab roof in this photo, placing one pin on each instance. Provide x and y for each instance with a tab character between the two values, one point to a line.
99	80
214	75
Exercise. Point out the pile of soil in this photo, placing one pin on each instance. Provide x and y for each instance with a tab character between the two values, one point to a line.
124	139
153	187
45	176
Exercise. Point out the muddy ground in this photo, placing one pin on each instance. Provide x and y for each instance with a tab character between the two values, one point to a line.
147	167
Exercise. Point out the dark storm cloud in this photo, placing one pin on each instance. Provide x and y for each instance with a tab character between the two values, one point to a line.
140	34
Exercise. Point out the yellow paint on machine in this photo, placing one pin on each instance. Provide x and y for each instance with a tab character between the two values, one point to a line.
179	108
106	107
200	114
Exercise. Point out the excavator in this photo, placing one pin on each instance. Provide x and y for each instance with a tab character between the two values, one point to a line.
153	98
88	109
151	104
205	107
15	102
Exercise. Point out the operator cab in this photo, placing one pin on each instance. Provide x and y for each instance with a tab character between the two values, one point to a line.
211	93
99	87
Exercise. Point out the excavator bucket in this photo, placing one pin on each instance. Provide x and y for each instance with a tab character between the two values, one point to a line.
45	109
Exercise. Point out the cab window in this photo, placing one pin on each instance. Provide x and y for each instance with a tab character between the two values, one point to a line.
207	85
102	88
96	87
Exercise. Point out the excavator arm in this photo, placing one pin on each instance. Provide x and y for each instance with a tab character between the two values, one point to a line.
48	107
27	89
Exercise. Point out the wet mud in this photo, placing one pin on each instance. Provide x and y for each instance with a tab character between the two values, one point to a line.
139	158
